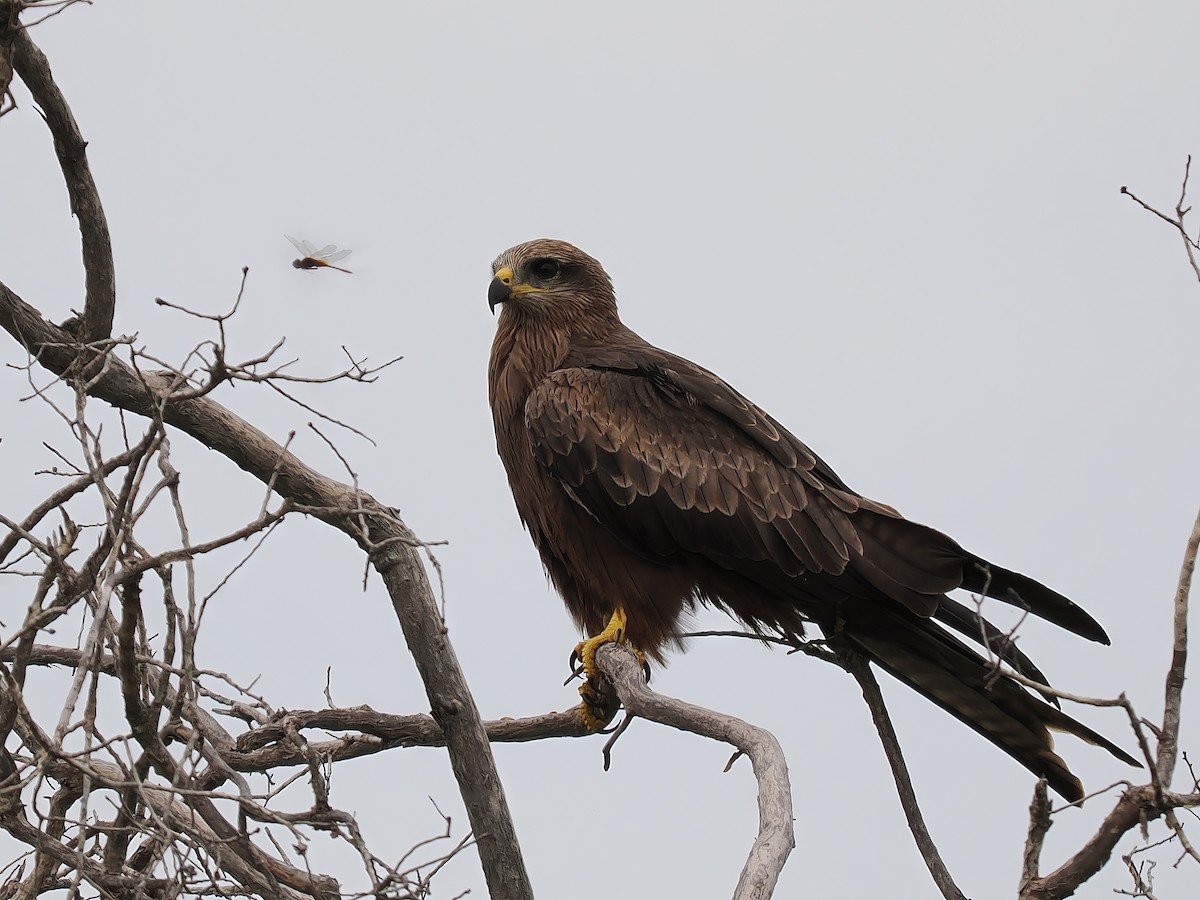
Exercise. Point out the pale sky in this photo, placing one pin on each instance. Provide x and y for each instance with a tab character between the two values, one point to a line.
897	227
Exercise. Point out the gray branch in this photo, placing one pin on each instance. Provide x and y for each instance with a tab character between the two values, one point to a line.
775	839
857	666
100	283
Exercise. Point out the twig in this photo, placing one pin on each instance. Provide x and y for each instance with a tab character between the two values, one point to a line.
133	569
815	648
1190	245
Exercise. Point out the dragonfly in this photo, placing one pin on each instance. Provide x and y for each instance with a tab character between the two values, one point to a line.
312	258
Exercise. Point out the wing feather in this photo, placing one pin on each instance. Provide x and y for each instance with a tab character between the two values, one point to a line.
648	441
622	441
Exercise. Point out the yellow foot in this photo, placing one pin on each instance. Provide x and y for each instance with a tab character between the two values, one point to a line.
613	633
600	702
599	706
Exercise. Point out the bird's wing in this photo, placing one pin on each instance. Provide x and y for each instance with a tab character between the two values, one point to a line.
675	464
969	687
648	442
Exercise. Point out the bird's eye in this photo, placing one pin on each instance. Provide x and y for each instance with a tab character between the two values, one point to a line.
545	269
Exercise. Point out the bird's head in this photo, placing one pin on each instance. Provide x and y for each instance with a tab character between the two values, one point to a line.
552	280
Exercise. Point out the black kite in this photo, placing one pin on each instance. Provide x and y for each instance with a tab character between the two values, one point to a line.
649	486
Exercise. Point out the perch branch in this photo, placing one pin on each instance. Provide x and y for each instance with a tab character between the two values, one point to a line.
775	838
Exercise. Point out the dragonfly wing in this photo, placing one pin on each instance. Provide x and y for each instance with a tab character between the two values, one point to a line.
299	245
324	251
334	257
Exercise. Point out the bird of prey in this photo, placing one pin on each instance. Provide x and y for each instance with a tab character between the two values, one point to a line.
650	486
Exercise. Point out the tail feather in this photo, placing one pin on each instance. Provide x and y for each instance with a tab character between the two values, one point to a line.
972	625
943	669
906	561
989	579
1056	720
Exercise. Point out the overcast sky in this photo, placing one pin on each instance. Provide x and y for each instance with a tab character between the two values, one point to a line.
898	227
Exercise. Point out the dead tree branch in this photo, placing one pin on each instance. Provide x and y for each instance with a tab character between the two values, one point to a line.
775	839
1168	742
267	745
861	670
70	148
1190	244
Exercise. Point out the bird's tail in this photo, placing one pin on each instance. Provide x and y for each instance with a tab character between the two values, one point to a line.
930	660
914	564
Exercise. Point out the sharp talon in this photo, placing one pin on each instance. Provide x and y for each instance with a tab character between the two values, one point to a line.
646	670
599	706
575	664
613	633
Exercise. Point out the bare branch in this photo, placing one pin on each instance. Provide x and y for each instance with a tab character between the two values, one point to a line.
1039	825
71	149
134	569
814	648
1190	245
1136	805
1142	804
1168	740
62	495
775	839
859	668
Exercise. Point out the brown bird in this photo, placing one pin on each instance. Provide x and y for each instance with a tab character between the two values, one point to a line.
650	486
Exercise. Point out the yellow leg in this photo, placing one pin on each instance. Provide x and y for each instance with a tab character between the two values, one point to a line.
598	706
613	633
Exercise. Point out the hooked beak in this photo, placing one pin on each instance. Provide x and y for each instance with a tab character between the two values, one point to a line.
500	289
505	286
